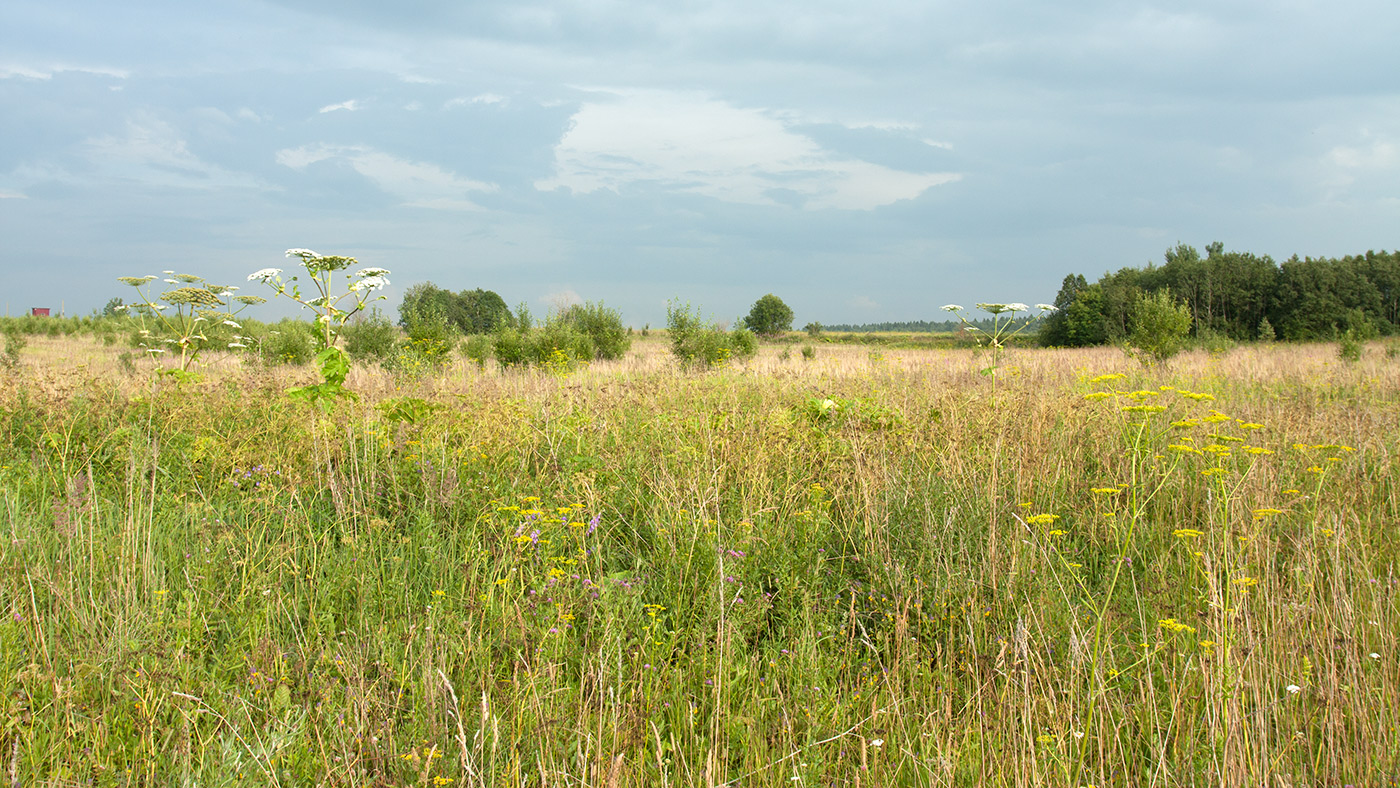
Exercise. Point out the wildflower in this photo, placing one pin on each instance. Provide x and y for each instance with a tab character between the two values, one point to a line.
1104	491
302	253
1257	450
1097	395
1042	519
1047	307
1187	533
231	323
1260	514
370	283
264	275
1108	377
951	308
1293	689
1172	625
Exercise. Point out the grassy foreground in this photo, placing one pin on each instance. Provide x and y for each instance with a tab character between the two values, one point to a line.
858	570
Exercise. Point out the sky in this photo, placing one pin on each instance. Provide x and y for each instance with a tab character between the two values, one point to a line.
863	161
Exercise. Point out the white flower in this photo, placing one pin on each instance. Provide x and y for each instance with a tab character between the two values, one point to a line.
236	344
372	271
1017	307
264	275
877	742
1374	655
1293	689
172	282
1047	307
231	323
155	350
302	253
172	273
370	283
951	308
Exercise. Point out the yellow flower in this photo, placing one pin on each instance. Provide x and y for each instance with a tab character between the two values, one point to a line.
1042	519
1172	625
1188	533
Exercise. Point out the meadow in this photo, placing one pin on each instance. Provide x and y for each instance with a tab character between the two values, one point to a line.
868	568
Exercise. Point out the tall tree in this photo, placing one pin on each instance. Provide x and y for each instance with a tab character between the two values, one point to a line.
769	316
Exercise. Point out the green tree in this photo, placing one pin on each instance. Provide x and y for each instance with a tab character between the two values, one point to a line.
1160	327
1054	329
769	316
1085	324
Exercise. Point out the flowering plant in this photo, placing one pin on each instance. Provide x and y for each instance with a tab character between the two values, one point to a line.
331	316
183	313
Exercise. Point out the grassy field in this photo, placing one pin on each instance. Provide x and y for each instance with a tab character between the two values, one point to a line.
868	568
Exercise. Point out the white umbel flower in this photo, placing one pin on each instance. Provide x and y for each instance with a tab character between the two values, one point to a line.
264	275
370	283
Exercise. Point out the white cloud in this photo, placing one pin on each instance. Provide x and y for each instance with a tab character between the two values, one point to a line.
484	98
27	72
154	153
416	183
1374	159
691	143
349	106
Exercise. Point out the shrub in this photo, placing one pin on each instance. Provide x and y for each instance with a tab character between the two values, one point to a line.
477	347
1350	345
808	352
371	339
603	327
697	342
287	342
1159	328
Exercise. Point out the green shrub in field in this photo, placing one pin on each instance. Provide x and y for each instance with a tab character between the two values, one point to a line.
287	342
477	347
574	335
808	352
1349	346
371	339
1160	326
694	341
429	341
602	326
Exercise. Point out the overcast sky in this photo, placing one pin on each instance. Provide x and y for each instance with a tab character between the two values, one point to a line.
864	161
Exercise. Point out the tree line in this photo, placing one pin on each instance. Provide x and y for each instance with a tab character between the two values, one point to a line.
1236	295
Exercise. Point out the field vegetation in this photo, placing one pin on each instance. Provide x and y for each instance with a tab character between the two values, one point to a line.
859	567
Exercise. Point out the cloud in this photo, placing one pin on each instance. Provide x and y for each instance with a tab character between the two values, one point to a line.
691	143
349	106
9	195
154	153
484	98
417	184
27	72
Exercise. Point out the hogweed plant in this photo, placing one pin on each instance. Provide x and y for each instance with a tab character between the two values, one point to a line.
1003	328
179	317
333	310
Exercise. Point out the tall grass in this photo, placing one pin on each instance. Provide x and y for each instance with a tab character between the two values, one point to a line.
850	570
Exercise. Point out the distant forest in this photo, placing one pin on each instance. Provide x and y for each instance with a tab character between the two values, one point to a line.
1238	296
